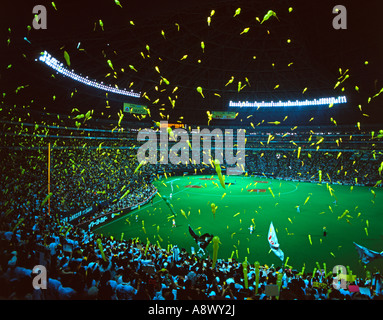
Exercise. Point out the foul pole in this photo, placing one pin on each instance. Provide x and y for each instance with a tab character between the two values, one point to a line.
49	178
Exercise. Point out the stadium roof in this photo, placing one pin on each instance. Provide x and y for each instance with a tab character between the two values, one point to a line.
296	55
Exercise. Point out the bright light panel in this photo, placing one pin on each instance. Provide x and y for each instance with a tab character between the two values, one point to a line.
53	63
296	103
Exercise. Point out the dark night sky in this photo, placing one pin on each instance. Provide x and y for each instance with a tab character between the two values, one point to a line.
325	49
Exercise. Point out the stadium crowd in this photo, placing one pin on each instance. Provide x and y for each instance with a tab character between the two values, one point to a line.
351	168
77	269
85	172
85	177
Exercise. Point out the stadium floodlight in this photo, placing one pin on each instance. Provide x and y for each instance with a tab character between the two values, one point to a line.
296	103
53	63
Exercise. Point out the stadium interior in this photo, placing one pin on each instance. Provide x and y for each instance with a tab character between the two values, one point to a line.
76	94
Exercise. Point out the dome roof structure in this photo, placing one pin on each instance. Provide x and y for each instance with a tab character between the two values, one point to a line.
185	59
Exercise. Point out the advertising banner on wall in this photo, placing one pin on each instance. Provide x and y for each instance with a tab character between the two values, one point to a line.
135	108
224	115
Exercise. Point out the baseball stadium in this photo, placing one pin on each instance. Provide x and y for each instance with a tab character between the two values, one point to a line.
213	150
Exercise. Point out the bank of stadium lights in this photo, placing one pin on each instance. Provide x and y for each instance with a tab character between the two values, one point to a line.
53	63
296	103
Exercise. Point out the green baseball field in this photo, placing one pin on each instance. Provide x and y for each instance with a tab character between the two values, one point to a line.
300	213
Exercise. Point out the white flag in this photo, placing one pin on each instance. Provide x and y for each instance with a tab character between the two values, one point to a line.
273	241
367	255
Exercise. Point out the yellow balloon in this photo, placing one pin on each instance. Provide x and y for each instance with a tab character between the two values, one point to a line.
218	170
215	250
